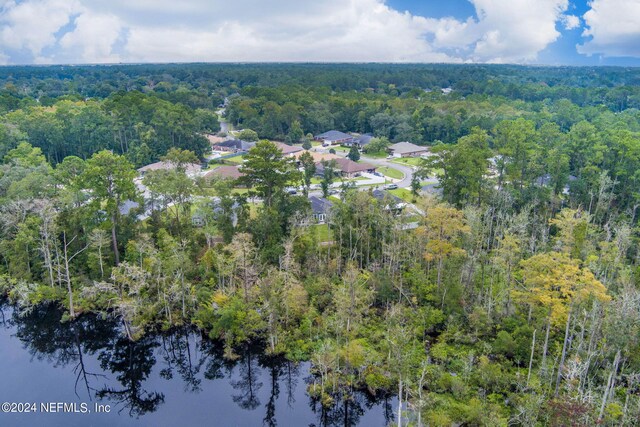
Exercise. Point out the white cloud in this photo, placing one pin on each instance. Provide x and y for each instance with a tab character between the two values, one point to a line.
277	30
32	24
516	30
357	30
614	28
570	22
93	37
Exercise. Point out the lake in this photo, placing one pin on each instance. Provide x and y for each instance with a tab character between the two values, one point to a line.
173	379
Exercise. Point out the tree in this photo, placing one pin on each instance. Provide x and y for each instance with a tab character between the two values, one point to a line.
415	185
180	158
25	155
309	169
248	135
207	120
295	133
267	170
328	175
557	283
109	179
463	167
443	227
354	154
377	145
516	141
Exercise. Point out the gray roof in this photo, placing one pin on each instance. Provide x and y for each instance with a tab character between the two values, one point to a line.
385	195
190	168
320	205
364	139
334	135
407	147
126	207
237	144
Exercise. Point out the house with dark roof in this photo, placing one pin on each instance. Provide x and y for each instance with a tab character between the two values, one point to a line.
127	206
390	201
359	141
320	209
348	168
407	149
233	145
333	137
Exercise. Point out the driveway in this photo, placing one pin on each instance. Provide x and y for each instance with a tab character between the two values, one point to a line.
406	170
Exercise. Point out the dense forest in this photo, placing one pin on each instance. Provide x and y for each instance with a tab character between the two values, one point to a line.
516	300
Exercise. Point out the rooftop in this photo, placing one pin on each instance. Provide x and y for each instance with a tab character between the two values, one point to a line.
287	149
349	166
320	205
317	157
407	147
225	171
334	135
190	168
237	144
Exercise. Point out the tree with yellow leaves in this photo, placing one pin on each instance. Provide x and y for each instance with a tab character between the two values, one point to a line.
557	282
443	226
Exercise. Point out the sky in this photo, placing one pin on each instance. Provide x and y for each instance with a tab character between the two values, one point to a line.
553	32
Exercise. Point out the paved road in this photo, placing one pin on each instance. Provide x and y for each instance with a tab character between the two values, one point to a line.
406	170
224	126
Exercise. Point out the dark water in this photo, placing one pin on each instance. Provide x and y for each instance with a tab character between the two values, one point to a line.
178	379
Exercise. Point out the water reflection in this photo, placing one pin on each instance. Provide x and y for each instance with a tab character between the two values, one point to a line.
131	363
160	377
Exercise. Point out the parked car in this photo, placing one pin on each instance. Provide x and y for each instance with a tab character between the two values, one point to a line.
391	186
292	191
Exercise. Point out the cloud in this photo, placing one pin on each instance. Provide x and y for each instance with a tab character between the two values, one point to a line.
334	30
93	38
278	30
32	25
570	22
513	31
613	26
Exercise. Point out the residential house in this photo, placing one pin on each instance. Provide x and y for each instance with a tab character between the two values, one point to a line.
233	146
225	172
192	169
127	206
391	202
407	149
317	157
320	209
288	150
362	140
348	168
333	137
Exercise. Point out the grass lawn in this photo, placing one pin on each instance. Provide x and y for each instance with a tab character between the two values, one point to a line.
412	161
403	193
390	172
378	155
316	180
253	209
323	232
340	149
240	190
213	165
235	159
